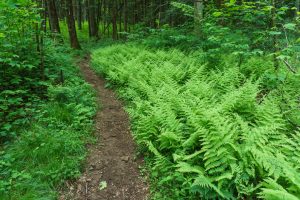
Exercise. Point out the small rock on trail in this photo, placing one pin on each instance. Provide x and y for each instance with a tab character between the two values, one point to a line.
111	172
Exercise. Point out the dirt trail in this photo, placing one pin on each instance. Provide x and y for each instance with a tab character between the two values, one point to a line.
111	160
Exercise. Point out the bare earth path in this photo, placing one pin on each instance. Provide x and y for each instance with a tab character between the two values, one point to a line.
111	160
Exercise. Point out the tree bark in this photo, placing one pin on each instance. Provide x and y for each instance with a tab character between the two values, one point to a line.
79	14
53	17
239	2
104	17
125	15
99	12
135	12
198	14
219	3
114	21
274	28
297	5
114	25
92	18
71	25
61	5
43	31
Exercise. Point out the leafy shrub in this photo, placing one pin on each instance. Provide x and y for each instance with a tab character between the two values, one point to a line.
207	132
52	148
21	85
167	37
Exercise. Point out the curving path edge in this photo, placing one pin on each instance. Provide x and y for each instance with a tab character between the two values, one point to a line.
111	172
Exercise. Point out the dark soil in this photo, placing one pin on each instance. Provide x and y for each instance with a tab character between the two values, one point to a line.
111	160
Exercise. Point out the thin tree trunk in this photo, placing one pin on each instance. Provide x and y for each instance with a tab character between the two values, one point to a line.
37	34
220	3
79	14
99	12
198	14
239	2
37	37
104	17
114	25
61	9
274	28
114	21
43	31
120	22
87	11
125	15
159	14
71	25
53	17
297	5
144	11
135	12
92	18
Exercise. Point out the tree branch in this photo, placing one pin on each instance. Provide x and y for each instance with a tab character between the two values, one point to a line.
291	68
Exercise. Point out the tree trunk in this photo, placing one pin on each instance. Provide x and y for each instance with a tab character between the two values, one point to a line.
104	18
198	14
274	28
120	18
53	17
71	25
297	5
114	25
92	18
60	9
43	31
79	14
159	14
114	13
239	2
125	15
87	15
219	3
99	12
135	13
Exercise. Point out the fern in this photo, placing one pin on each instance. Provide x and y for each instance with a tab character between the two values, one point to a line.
274	191
208	132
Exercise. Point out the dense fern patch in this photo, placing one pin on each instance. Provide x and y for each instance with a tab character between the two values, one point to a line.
221	132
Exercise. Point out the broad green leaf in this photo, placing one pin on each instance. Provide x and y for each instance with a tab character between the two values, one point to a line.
275	33
217	14
290	26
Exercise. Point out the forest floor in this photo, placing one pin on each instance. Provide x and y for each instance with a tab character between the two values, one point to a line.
111	170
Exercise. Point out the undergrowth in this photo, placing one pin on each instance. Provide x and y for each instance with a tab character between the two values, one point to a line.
226	131
50	147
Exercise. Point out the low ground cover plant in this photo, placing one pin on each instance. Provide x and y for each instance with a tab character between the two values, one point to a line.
220	132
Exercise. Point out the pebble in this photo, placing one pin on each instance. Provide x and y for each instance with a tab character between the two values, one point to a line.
125	158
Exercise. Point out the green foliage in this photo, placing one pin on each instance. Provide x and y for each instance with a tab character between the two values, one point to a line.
168	37
186	9
21	86
209	131
52	148
82	35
